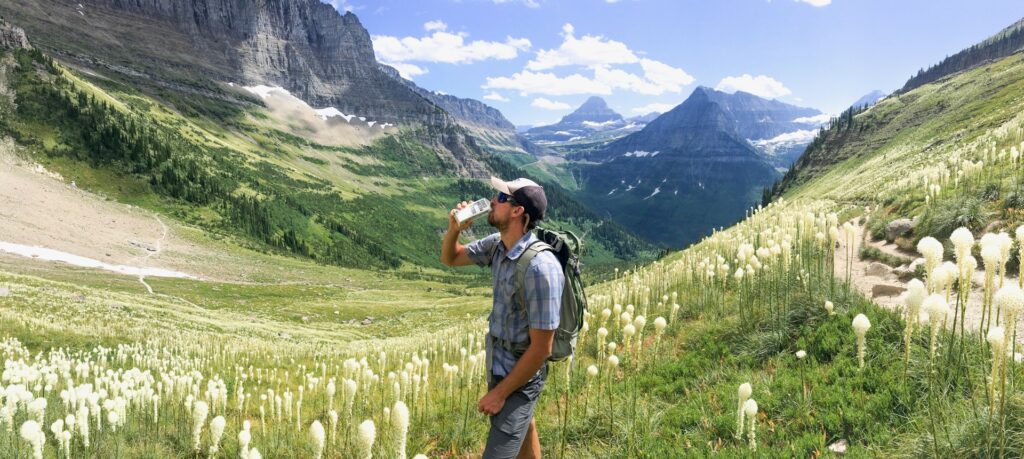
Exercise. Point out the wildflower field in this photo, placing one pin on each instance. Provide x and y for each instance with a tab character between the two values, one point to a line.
750	343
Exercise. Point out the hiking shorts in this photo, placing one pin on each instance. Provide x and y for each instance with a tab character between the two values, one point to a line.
509	426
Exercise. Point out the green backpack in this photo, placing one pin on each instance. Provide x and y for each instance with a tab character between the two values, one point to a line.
566	247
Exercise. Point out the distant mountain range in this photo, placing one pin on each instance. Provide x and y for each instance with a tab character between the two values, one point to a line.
698	166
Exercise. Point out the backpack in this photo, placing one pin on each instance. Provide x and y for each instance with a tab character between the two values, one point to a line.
566	247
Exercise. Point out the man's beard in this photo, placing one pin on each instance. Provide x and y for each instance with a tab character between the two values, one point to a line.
495	223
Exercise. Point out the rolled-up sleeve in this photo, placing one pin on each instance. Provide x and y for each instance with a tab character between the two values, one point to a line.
479	251
544	282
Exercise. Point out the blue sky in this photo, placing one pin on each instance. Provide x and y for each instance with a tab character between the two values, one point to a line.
536	60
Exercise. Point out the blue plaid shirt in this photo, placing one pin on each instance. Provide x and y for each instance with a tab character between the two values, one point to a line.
543	284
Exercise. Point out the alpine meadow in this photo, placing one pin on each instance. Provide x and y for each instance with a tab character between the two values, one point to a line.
221	227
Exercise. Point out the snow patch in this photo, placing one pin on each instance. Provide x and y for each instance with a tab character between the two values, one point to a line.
602	125
786	140
656	191
45	254
641	154
816	119
325	113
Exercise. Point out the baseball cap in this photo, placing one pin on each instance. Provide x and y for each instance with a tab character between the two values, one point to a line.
527	193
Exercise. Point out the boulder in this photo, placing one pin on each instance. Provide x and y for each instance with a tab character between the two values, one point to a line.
4	291
897	228
878	290
838	447
877	269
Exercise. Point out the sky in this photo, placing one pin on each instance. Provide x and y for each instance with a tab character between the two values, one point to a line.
536	60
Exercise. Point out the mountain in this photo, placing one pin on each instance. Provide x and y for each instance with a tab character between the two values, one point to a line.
697	167
269	122
593	117
486	124
869	99
1002	44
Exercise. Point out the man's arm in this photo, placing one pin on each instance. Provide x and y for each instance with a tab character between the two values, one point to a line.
527	365
452	252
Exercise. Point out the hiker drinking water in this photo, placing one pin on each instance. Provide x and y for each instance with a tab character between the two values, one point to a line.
529	282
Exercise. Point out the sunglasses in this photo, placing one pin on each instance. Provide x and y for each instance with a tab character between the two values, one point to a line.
502	197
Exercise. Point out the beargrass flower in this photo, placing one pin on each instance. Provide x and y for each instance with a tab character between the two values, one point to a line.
367	435
963	241
33	435
317	434
750	410
743	393
216	431
199	412
830	308
861	324
400	421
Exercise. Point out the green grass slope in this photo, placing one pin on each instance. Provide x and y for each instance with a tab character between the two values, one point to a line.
228	169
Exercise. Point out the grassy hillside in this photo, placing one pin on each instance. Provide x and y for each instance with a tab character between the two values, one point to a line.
230	169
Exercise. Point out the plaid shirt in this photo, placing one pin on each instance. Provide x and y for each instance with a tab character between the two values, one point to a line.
543	284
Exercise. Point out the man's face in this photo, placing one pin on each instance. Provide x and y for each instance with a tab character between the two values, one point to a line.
503	211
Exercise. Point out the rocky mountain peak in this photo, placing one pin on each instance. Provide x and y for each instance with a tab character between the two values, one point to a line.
595	110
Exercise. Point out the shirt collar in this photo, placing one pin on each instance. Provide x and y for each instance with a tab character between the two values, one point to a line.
520	246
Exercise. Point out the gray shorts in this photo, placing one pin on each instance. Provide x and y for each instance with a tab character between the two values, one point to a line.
509	426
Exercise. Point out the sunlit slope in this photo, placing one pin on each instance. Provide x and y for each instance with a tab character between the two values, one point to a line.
273	176
889	148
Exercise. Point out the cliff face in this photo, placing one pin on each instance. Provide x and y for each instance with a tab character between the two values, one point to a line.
305	46
12	37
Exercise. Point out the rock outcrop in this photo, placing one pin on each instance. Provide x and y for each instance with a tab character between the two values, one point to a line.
12	37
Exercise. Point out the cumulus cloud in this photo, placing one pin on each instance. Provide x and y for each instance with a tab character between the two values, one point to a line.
445	47
546	104
589	51
493	95
761	85
654	107
817	3
527	82
407	71
604	60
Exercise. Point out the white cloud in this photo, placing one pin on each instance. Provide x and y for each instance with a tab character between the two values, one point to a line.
589	51
527	82
446	47
435	25
598	55
761	85
665	76
408	71
817	3
654	107
493	95
541	102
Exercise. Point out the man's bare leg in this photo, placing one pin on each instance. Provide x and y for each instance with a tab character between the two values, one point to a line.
531	444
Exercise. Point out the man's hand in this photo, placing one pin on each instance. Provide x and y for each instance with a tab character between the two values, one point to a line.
492	403
453	224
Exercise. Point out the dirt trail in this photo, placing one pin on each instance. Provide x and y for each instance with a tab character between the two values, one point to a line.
878	282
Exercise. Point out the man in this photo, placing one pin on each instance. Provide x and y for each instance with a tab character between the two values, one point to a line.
515	381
